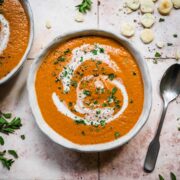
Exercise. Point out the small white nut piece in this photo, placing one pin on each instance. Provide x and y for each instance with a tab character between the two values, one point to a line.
147	6
165	7
176	3
177	54
127	29
160	44
133	4
147	20
79	17
48	25
147	36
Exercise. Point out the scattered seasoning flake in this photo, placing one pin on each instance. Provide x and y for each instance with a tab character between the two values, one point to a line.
83	133
95	102
70	104
169	44
173	176
157	54
175	35
67	51
161	19
178	128
61	59
13	153
23	137
101	50
111	76
160	177
134	73
1	140
131	101
116	135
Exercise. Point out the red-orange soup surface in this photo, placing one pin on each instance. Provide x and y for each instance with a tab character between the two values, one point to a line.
90	90
14	35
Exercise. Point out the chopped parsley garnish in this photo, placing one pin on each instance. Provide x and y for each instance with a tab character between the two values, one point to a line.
103	123
95	102
87	93
114	90
80	121
81	60
7	163
116	135
161	19
101	50
98	112
67	51
70	104
7	115
61	59
157	54
94	51
84	6
104	105
111	76
13	153
169	44
160	177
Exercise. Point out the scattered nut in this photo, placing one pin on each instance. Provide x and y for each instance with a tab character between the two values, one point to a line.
79	17
147	6
147	20
133	4
48	25
165	7
176	3
128	29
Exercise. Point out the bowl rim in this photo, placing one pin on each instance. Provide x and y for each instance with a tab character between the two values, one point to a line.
57	138
28	11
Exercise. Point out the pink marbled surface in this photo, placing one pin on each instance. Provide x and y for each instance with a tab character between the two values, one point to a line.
39	157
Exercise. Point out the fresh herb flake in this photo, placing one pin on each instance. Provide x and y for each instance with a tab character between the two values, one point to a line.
160	177
116	135
23	137
111	76
87	93
1	140
161	19
84	6
13	153
157	54
173	176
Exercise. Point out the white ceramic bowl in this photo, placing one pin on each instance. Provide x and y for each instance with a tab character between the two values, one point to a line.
96	147
28	11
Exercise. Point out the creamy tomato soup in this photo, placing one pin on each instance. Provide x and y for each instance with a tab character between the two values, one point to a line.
90	90
14	35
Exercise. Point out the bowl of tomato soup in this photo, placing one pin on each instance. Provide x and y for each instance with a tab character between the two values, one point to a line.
90	90
16	36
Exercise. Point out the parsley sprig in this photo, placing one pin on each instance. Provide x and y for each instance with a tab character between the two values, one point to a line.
84	6
8	127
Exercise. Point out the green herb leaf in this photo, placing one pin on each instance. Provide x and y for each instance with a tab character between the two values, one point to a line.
13	153
157	54
116	135
23	137
101	50
66	51
84	6
160	177
7	115
103	123
111	76
87	93
1	140
94	51
161	19
80	121
114	90
169	44
7	163
173	176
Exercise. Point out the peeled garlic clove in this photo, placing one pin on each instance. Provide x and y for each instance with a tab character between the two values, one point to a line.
147	36
133	4
79	17
165	7
127	29
147	6
147	20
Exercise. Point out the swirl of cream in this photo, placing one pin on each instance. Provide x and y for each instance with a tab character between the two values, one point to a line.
90	115
4	33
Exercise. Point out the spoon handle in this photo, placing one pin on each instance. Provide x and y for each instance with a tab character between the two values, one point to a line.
154	146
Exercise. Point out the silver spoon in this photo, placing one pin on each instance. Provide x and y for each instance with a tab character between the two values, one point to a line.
169	90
